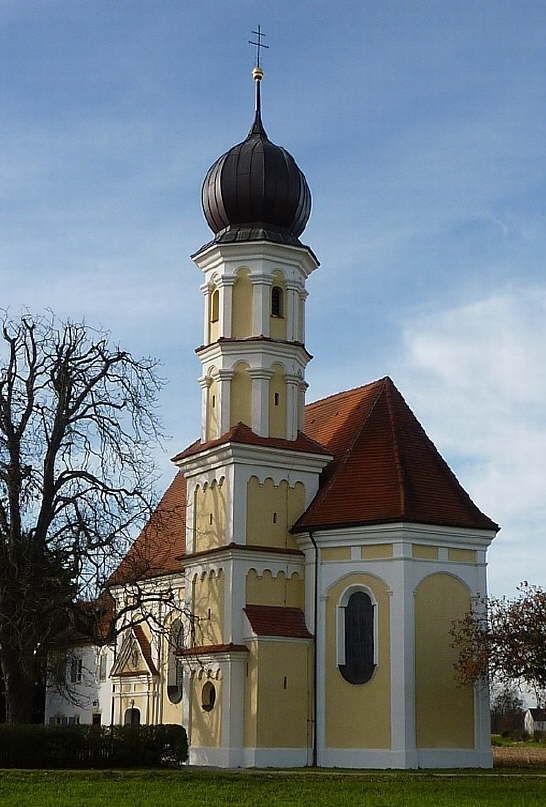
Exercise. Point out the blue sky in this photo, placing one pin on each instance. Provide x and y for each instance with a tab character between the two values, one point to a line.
421	129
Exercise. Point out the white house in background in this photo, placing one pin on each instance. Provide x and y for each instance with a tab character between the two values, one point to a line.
534	720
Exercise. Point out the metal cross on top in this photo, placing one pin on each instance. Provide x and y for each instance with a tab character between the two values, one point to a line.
259	44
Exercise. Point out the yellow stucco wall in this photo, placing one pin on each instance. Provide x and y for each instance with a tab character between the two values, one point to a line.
213	409
462	555
336	553
275	716
241	321
358	716
208	608
376	551
444	710
277	403
280	590
271	511
205	726
210	515
241	397
424	552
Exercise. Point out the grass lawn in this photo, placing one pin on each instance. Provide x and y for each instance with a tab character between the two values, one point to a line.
190	788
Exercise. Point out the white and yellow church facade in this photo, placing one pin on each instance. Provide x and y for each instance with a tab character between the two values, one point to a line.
322	551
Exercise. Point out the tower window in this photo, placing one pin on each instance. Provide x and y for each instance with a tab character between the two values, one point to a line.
215	306
274	518
213	401
276	398
210	518
276	301
357	638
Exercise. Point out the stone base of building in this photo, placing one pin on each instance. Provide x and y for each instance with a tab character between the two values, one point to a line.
250	757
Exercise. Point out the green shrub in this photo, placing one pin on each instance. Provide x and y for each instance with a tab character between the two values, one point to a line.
31	746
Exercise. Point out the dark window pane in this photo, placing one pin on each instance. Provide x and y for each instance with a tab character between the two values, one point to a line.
359	650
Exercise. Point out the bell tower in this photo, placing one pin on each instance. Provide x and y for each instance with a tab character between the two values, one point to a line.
248	670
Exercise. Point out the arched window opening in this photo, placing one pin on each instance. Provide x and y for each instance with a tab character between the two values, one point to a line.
132	717
215	306
175	670
358	651
276	301
103	663
208	697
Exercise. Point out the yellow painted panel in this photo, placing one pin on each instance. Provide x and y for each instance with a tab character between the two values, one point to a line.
375	551
277	403
336	553
241	317
284	698
279	590
444	710
358	716
241	398
462	555
213	409
425	552
210	516
271	511
278	327
208	609
206	727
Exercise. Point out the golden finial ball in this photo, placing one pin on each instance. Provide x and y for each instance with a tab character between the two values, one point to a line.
257	74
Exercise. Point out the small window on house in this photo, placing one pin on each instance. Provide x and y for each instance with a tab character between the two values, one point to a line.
357	626
208	696
74	720
76	671
276	301
215	306
96	720
276	398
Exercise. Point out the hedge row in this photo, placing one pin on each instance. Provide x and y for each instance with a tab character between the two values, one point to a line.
31	746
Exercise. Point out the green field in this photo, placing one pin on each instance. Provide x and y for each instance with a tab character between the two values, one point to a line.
189	788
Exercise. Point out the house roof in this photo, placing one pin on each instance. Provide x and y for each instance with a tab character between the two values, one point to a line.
538	715
274	620
385	468
242	434
160	544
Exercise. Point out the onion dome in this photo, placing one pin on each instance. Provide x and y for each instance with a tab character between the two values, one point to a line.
256	190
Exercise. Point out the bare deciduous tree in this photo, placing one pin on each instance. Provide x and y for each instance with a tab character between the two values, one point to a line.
78	427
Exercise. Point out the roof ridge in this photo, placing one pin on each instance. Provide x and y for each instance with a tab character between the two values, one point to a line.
346	391
342	461
396	447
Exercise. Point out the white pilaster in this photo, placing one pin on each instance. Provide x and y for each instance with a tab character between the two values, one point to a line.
226	305
260	400
292	312
224	402
204	383
261	304
301	316
292	406
206	309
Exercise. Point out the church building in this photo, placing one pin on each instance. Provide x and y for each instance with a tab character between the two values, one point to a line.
320	551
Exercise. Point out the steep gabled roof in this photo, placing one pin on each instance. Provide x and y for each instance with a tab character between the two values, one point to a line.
385	468
158	548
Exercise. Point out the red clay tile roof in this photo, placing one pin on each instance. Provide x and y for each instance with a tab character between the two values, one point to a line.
275	620
145	648
211	649
244	435
159	546
385	468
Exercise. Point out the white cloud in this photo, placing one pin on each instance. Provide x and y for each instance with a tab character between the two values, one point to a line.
476	377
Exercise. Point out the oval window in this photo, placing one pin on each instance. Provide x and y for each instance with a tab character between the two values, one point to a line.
208	696
359	639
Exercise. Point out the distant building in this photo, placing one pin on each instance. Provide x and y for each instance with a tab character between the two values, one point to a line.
323	550
535	720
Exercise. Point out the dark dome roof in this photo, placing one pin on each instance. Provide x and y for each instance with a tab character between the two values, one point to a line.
257	184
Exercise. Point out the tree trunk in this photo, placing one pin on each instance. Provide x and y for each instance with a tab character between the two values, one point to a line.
19	687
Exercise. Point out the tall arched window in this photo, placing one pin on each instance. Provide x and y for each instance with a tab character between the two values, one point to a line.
276	301
175	671
215	306
356	644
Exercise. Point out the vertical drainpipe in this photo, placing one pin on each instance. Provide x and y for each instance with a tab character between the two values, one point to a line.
315	659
